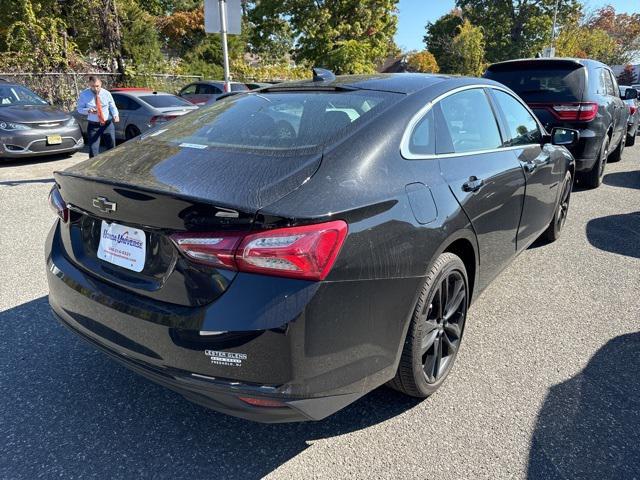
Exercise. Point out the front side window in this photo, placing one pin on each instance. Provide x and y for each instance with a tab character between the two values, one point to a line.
523	129
469	121
189	90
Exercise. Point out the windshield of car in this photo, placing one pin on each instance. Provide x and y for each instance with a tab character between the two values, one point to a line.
276	120
164	101
16	95
561	84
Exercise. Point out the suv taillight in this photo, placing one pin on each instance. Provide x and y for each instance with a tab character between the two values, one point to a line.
632	109
572	111
161	118
306	252
58	205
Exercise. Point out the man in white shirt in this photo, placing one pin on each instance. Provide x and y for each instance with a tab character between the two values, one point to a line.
101	111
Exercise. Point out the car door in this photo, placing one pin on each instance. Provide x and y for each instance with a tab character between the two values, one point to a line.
189	92
122	104
206	92
487	180
542	165
612	107
622	109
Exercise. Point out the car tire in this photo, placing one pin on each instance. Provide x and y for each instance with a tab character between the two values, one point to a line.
553	231
131	132
437	324
616	155
593	178
631	140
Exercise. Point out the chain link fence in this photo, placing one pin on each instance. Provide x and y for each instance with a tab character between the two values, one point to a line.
62	89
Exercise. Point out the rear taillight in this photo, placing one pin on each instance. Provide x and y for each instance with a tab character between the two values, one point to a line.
306	252
217	250
161	118
58	205
632	109
573	112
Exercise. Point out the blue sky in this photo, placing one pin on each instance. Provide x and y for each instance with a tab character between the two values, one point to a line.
414	15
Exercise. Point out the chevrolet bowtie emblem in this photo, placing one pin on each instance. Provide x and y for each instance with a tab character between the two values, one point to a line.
104	205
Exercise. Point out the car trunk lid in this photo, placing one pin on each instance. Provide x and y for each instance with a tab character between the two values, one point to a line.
161	190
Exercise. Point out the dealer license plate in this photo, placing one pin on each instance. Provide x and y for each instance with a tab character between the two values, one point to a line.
122	246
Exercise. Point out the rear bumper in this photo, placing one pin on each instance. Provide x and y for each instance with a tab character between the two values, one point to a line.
315	347
588	148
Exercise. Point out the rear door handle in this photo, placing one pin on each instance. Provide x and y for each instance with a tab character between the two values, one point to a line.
473	184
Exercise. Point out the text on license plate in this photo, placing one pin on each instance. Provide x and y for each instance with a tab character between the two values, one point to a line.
122	246
54	139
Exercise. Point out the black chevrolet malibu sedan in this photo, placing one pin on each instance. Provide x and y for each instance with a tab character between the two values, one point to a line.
279	254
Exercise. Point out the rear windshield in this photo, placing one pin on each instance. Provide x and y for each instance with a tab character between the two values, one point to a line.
276	120
239	87
164	101
542	84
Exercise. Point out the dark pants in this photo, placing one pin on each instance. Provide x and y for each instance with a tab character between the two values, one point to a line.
95	132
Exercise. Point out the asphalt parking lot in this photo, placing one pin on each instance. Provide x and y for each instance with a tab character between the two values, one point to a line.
546	385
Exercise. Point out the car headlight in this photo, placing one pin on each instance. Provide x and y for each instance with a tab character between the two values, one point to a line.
10	127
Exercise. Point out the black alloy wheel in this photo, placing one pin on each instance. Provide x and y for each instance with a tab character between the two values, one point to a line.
444	318
435	332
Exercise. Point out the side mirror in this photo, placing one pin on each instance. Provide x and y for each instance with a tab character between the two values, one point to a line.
630	94
566	137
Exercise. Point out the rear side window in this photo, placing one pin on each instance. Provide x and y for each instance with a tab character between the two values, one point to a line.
523	129
606	85
422	141
164	101
277	120
561	84
469	121
239	87
204	89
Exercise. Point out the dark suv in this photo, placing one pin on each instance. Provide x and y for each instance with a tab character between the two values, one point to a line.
574	93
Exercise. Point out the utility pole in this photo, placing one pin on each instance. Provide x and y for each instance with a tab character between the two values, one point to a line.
222	6
555	20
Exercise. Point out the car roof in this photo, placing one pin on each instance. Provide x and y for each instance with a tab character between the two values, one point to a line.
215	82
585	62
406	83
142	93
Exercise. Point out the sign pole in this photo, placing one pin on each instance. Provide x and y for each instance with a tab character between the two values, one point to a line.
225	51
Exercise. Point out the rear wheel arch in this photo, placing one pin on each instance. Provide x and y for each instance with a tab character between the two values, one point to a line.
464	249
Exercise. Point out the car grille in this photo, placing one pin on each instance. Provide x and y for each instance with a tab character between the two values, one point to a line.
41	145
45	125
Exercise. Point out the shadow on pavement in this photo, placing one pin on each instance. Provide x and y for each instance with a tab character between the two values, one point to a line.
589	426
623	179
69	411
616	234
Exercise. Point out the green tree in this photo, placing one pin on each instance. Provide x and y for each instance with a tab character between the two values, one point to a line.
622	28
585	42
439	36
517	28
343	35
270	34
40	41
627	76
467	50
140	41
423	62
